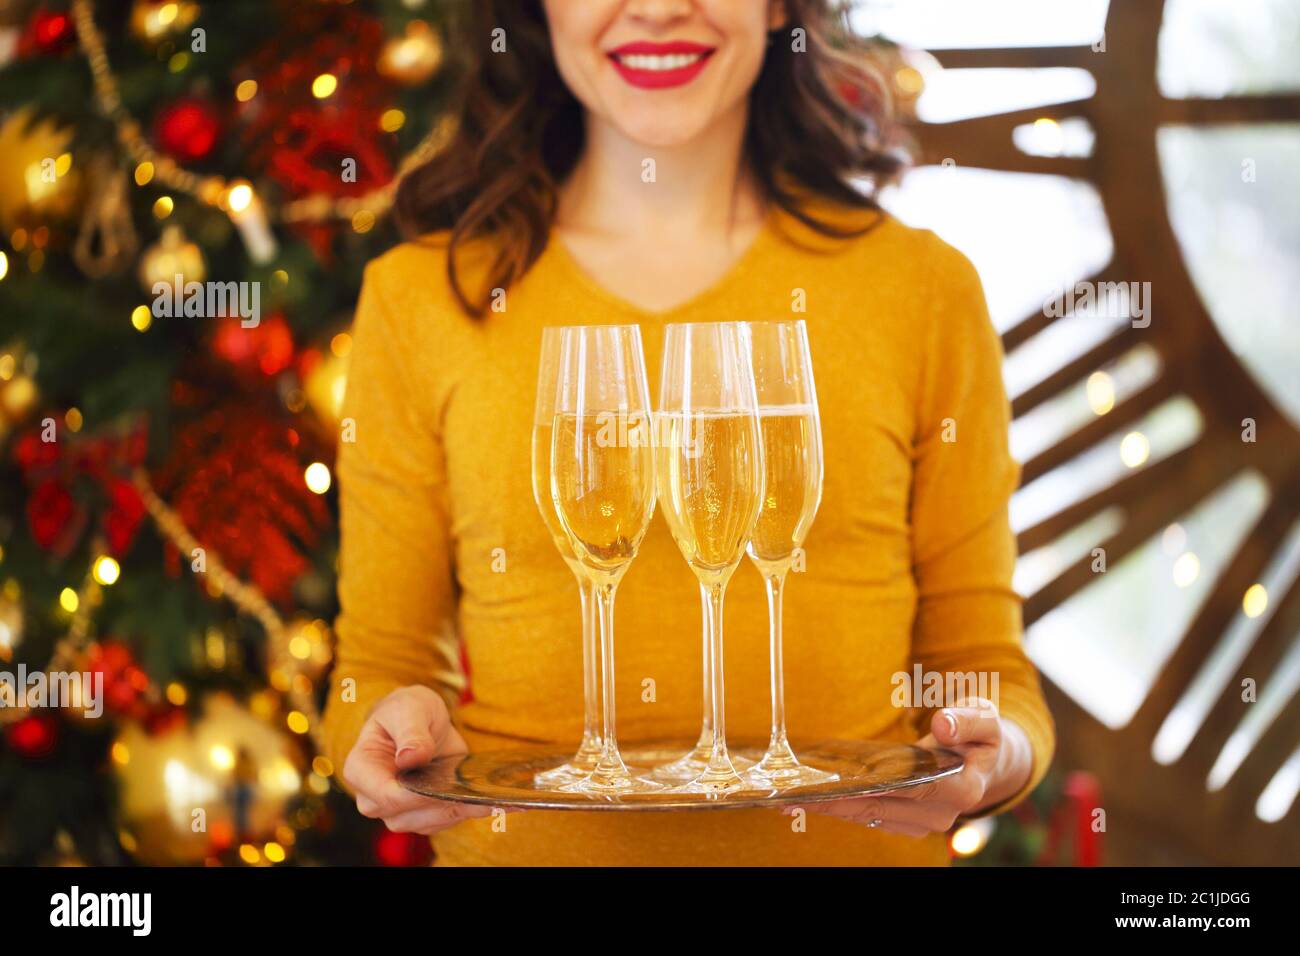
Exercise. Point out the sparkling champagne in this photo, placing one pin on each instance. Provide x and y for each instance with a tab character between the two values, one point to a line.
602	483
542	432
793	480
710	484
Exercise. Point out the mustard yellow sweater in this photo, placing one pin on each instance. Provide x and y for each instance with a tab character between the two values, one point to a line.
909	560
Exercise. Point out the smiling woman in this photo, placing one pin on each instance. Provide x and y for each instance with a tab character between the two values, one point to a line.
654	164
527	105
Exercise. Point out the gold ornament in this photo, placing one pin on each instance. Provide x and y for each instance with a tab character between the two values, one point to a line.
325	383
171	256
11	624
18	392
306	653
153	21
192	791
38	180
107	242
413	57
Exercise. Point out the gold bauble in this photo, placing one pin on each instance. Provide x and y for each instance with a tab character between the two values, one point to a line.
153	21
18	391
414	56
172	255
11	624
17	397
308	650
324	387
39	181
195	790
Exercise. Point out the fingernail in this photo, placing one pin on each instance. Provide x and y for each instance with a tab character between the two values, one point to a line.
402	750
952	723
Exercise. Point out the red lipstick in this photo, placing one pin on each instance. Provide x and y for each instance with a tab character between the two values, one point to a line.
657	66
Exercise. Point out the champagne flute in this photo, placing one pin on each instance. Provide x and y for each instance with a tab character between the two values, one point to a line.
588	753
792	462
603	489
710	474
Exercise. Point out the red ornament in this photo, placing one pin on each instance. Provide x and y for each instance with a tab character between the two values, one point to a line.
311	145
235	479
187	129
46	33
34	736
125	512
53	516
33	454
124	681
300	141
56	472
164	719
265	349
402	849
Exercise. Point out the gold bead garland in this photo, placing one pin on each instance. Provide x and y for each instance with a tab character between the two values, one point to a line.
211	190
73	642
247	597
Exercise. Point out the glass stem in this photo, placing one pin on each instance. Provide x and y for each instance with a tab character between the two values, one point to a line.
590	663
719	761
611	762
775	599
705	743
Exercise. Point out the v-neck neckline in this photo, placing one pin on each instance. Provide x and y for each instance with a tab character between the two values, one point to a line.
596	289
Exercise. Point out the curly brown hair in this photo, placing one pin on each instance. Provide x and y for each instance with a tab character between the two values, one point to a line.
818	121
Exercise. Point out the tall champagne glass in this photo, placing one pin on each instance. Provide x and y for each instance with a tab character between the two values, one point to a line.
603	489
584	761
710	474
792	464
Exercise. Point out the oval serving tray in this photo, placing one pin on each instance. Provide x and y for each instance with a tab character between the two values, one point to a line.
504	778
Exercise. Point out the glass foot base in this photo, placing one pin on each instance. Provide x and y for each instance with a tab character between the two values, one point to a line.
690	766
612	783
786	777
714	783
558	776
582	765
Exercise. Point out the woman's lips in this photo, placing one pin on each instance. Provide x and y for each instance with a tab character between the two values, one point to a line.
657	66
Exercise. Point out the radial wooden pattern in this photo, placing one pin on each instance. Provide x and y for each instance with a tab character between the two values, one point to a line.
1156	813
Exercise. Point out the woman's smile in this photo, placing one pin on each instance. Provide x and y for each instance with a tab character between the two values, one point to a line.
655	66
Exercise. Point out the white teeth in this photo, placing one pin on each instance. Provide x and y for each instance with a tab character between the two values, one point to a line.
649	61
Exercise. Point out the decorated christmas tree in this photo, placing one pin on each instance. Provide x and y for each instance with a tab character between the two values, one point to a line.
188	193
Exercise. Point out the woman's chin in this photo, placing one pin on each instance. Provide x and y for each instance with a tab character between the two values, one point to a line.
661	132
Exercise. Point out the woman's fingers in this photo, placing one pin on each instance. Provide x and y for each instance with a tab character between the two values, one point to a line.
416	721
368	771
434	815
971	722
913	818
388	799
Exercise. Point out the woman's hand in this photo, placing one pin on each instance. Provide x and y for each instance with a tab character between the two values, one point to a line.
407	728
998	762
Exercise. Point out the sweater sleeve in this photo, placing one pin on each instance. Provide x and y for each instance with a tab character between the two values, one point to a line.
396	624
968	617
